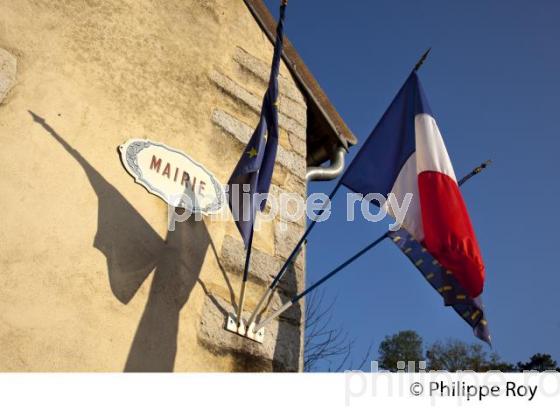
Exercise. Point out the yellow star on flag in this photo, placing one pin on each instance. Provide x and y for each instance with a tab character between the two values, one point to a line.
252	152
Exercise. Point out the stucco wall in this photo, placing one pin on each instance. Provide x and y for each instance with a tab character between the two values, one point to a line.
90	279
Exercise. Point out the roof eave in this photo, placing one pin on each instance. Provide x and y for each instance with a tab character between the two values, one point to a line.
311	88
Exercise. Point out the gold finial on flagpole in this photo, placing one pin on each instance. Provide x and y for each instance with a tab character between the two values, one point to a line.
482	166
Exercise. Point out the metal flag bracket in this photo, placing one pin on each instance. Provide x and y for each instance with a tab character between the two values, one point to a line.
241	330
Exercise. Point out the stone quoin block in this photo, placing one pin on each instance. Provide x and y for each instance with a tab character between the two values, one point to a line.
292	110
291	101
286	238
289	212
292	315
297	184
263	266
299	145
293	162
279	352
254	102
8	69
261	70
242	132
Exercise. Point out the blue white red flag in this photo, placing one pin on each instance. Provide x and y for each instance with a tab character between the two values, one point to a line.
405	153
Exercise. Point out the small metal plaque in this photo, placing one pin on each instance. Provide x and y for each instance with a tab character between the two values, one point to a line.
231	325
256	336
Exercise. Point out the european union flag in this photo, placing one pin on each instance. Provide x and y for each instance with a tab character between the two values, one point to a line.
441	279
253	173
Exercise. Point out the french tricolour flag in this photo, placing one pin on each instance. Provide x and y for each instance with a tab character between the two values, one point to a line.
405	153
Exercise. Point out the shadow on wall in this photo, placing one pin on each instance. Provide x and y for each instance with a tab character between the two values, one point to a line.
288	342
286	356
133	250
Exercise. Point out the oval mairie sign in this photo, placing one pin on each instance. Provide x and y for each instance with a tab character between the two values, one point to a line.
172	175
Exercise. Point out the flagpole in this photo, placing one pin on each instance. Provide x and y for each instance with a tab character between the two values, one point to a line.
282	271
340	267
263	165
343	265
244	280
422	59
295	251
475	171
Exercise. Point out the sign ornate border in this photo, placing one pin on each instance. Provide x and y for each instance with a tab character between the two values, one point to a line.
129	157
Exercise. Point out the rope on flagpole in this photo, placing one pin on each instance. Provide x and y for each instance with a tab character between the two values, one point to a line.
356	256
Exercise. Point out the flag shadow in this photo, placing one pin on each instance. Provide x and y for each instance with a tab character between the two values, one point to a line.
133	250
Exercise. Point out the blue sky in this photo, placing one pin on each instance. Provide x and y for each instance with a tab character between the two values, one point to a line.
492	82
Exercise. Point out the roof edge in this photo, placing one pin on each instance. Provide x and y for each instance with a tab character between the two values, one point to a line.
302	74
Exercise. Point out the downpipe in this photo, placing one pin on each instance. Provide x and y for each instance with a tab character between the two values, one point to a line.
328	173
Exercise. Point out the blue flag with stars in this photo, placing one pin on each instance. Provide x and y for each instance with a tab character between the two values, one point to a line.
253	172
470	309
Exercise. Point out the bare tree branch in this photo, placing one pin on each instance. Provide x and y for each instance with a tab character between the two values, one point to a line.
326	344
